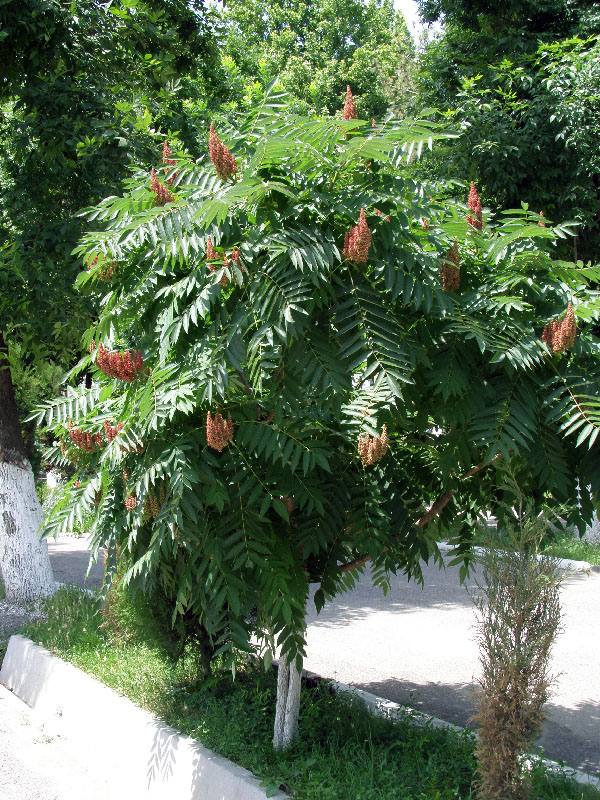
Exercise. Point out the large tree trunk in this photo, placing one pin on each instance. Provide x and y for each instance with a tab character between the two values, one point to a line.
24	563
288	703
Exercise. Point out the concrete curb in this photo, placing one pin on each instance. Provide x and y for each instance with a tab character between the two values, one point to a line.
387	708
148	759
565	564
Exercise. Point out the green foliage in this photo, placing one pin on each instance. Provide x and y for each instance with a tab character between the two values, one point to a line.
517	18
569	545
71	621
316	49
310	352
530	124
33	383
84	84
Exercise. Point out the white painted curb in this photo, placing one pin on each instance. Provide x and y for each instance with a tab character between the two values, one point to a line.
565	564
146	758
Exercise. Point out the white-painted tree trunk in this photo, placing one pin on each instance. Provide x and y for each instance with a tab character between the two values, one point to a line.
592	532
24	562
288	704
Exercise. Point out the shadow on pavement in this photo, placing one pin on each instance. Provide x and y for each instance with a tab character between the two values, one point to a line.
70	560
570	734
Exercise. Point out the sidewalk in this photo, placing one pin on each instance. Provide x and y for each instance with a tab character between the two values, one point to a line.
416	647
35	766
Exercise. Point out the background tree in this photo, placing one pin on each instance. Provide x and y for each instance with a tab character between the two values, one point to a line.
522	81
82	85
302	364
316	49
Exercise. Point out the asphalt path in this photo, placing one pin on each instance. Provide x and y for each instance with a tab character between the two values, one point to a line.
417	646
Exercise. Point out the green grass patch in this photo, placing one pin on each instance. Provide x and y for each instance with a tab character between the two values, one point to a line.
564	544
567	545
343	751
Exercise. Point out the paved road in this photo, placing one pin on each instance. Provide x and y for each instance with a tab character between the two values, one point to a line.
416	646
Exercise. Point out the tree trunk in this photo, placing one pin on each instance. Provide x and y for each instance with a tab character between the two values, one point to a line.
288	703
24	563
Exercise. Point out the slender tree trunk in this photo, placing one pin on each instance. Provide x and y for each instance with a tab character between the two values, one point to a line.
288	703
24	563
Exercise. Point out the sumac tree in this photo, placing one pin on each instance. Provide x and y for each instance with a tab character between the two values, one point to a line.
303	364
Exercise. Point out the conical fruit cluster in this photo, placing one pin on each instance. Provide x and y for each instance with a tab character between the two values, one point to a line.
110	431
163	195
218	431
474	203
450	271
153	502
559	334
358	240
373	448
170	162
120	365
224	162
349	111
84	440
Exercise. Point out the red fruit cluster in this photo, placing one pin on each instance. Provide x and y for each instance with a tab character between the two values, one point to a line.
358	240
224	163
542	222
77	484
474	204
83	439
104	274
171	162
349	111
120	365
136	448
111	431
373	448
559	335
218	431
163	195
211	253
153	502
450	271
130	502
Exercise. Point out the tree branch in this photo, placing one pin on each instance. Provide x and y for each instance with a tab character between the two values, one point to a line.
439	505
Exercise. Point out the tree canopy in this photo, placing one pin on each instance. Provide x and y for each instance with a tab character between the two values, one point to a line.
523	88
82	86
303	364
316	49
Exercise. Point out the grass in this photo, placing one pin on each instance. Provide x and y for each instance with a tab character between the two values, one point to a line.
343	751
564	544
567	545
